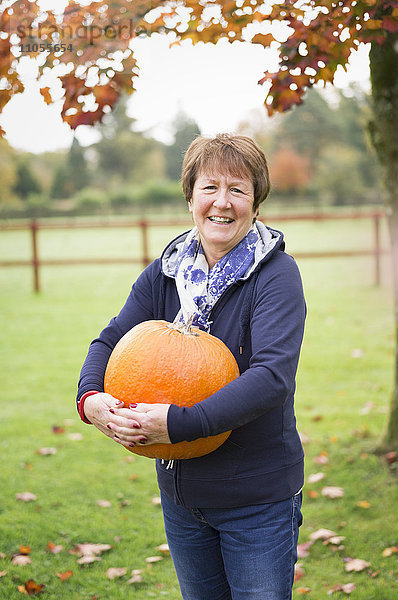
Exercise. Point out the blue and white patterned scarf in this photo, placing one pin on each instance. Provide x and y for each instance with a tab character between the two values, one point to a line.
198	287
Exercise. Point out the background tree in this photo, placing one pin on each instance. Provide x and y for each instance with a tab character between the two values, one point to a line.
317	37
25	182
185	130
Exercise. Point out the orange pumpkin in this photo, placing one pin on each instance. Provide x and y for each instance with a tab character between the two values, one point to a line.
158	361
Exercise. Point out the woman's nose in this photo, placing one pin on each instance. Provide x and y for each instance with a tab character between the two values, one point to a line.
222	199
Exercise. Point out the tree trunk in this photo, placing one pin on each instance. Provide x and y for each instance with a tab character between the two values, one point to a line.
384	135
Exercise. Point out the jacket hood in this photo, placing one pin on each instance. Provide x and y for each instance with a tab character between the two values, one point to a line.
271	241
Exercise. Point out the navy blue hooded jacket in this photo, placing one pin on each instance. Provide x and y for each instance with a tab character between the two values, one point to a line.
261	320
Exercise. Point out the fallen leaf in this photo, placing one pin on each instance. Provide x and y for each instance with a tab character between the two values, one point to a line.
88	549
391	457
87	559
363	504
334	540
304	438
24	550
31	588
317	418
114	572
46	451
156	501
134	477
303	549
136	576
321	459
347	588
312	494
303	590
76	437
164	548
315	477
2	555
27	466
26	497
298	571
2	573
332	492
64	576
153	559
104	503
389	551
356	564
367	408
128	459
356	353
21	560
334	439
53	548
322	534
58	430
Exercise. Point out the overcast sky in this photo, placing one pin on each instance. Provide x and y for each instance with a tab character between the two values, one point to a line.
215	85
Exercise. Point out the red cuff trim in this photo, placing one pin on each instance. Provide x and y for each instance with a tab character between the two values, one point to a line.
80	405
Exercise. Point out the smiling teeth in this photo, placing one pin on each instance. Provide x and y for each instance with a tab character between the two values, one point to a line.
221	219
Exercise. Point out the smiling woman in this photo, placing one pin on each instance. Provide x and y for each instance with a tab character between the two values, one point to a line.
229	274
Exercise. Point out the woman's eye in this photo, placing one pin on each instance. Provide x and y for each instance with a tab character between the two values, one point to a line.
210	187
236	190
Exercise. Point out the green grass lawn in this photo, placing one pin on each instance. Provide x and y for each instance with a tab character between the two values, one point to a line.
344	384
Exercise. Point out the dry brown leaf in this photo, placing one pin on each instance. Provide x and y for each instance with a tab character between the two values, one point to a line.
347	588
312	494
58	430
134	477
2	573
104	503
321	459
164	548
21	560
114	572
24	550
136	576
2	555
322	534
391	457
156	501
46	451
298	571
87	559
26	496
363	504
303	549
64	576
76	437
53	548
315	477
88	549
303	590
153	559
31	588
389	551
356	564
334	540
332	491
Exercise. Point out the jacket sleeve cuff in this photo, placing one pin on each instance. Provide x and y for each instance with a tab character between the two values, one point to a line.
80	405
183	424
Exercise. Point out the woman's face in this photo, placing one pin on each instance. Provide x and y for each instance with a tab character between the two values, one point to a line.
222	210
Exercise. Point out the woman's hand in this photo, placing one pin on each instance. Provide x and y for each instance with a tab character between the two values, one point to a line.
140	424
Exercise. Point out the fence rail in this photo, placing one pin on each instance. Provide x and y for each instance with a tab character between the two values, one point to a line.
34	226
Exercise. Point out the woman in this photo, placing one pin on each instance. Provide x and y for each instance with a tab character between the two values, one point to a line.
231	517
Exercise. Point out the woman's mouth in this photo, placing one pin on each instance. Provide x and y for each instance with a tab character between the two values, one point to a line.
221	220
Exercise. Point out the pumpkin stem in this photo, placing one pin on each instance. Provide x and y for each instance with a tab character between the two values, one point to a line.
185	328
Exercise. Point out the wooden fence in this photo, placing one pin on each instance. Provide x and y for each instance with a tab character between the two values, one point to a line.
34	226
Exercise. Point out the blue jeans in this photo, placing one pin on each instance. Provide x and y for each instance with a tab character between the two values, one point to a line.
245	553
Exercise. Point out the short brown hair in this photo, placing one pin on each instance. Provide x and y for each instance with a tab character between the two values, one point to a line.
235	154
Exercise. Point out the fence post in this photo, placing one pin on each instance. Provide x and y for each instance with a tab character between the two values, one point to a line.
145	248
377	249
35	256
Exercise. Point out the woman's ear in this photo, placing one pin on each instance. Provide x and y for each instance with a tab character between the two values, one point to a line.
190	206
